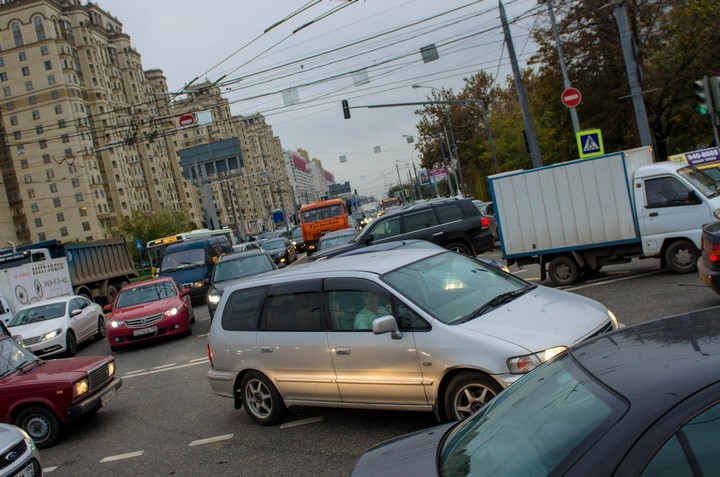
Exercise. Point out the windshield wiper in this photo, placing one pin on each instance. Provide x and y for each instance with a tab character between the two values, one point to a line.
26	365
499	300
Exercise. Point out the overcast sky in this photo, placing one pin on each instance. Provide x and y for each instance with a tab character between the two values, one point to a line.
209	39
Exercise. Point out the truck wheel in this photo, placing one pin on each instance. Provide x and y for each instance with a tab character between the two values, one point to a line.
468	392
70	343
681	257
111	295
262	400
101	330
458	247
40	424
563	270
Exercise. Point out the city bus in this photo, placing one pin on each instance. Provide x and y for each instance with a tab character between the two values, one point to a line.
156	248
390	202
320	218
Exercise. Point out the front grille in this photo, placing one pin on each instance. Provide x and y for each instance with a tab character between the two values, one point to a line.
186	285
605	329
18	449
31	341
143	322
98	377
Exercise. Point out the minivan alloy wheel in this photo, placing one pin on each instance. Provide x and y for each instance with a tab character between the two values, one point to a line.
261	399
467	393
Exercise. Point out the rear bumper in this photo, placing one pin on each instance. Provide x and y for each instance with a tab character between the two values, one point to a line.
93	402
710	277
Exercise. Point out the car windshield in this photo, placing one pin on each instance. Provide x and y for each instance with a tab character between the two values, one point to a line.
38	313
13	357
455	288
194	257
703	182
327	242
532	426
232	269
140	294
273	244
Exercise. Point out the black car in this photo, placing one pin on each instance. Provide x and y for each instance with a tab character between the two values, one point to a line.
643	400
455	224
297	239
709	263
233	267
280	249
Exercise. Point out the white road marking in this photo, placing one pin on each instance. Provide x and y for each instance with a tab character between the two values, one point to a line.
202	319
209	440
122	456
301	423
613	280
47	470
160	370
202	336
163	366
136	371
198	359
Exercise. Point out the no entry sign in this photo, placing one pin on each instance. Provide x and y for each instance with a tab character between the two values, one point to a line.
571	97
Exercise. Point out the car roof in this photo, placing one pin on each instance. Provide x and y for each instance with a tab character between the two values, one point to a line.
669	358
241	255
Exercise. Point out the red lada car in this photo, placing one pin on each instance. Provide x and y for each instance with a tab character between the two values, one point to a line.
43	396
148	310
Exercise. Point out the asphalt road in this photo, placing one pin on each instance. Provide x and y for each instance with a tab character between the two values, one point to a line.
166	421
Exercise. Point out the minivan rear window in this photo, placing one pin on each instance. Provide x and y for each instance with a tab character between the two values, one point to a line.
242	309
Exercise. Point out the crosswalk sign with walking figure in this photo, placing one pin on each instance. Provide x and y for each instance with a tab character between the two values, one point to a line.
590	143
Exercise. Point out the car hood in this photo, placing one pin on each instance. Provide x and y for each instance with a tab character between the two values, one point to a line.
39	328
412	454
9	435
542	318
144	309
56	371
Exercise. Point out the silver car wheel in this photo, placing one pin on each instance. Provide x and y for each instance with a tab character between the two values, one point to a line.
467	393
258	398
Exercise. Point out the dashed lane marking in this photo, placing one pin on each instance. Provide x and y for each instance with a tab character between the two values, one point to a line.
129	455
47	470
163	366
198	359
202	336
301	423
209	440
145	373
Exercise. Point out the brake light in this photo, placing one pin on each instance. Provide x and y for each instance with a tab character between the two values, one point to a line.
485	222
712	250
210	355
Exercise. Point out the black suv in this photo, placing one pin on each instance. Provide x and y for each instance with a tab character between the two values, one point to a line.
455	224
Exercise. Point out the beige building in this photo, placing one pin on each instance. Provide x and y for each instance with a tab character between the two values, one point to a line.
89	136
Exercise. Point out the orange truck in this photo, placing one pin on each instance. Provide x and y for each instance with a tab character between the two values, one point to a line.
320	218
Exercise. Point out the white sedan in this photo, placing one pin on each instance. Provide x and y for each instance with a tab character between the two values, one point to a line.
57	326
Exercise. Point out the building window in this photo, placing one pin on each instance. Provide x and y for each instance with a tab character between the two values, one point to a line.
46	158
39	129
65	138
51	80
53	188
49	173
3	76
36	115
41	237
86	226
47	65
72	168
17	135
23	163
31	193
2	61
56	202
58	109
13	121
38	222
44	50
25	70
78	197
7	91
27	178
60	217
34	208
21	149
75	182
54	94
28	86
17	33
63	232
61	123
82	211
43	143
32	100
68	152
39	28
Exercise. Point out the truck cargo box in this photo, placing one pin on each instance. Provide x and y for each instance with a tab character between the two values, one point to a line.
569	206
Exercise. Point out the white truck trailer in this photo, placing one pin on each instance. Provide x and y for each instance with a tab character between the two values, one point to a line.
572	218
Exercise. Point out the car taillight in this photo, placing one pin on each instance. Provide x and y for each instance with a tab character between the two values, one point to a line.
713	251
209	355
485	222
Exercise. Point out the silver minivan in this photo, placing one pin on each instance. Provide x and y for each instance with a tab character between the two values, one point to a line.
407	329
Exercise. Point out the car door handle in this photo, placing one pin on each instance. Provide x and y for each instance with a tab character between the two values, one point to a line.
266	349
344	351
437	233
653	214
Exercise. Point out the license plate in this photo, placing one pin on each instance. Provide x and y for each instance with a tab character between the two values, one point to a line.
145	331
28	471
108	396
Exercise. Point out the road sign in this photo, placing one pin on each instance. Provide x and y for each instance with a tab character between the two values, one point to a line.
571	97
139	244
590	143
187	120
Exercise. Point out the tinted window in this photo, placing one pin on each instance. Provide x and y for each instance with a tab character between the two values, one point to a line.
703	446
449	213
420	220
386	228
242	309
665	192
293	307
355	303
137	295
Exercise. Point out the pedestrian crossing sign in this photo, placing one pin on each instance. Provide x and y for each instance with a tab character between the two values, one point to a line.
590	143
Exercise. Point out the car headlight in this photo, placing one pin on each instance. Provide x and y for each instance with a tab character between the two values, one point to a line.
50	335
80	387
716	213
115	324
525	364
614	320
172	311
111	368
214	298
197	284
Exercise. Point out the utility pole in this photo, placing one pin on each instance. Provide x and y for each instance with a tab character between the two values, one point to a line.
522	97
563	69
633	72
442	153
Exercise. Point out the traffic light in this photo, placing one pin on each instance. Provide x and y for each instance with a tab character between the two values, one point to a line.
702	97
346	109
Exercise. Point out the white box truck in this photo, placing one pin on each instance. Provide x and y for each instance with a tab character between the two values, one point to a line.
572	218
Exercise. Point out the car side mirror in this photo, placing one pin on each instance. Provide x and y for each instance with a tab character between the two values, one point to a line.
75	312
214	260
386	324
107	308
693	198
369	239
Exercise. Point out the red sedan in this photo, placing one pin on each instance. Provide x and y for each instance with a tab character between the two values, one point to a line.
149	310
